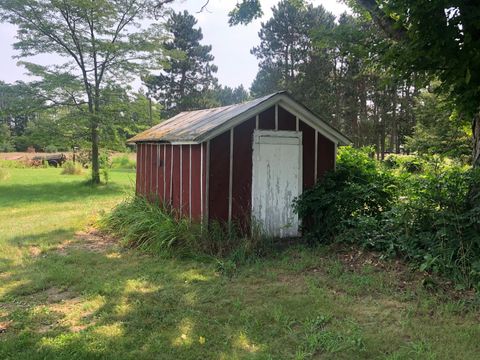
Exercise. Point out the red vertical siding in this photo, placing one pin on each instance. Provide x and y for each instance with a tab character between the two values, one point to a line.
185	180
205	178
242	172
139	170
308	135
176	177
154	171
286	120
168	178
326	155
148	169
219	177
266	119
160	167
196	183
143	163
151	180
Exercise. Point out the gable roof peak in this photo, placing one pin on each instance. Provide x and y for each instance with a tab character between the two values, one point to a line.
197	126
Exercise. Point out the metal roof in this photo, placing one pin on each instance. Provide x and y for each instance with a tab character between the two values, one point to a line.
198	125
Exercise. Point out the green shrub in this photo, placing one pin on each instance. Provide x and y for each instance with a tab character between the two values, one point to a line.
422	215
123	162
71	168
105	164
391	162
432	225
51	149
153	227
358	187
6	147
413	166
409	163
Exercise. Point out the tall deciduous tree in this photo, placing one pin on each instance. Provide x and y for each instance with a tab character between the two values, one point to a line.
104	41
188	76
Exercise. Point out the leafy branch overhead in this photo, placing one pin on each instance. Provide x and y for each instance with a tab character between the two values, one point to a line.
245	12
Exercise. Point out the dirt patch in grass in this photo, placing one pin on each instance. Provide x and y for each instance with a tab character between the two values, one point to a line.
48	309
89	239
4	326
34	250
56	295
94	240
72	315
355	260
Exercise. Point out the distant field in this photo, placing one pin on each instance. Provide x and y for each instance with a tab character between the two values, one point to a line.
29	156
67	292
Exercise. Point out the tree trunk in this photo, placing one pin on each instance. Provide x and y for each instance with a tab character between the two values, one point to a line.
474	193
95	153
383	129
394	129
376	130
94	111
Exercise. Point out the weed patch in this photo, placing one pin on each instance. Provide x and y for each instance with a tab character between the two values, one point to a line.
4	174
71	168
155	228
123	162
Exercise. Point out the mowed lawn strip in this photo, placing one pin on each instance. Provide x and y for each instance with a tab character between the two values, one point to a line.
60	299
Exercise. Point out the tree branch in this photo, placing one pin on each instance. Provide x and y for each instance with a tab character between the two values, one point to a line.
385	22
204	7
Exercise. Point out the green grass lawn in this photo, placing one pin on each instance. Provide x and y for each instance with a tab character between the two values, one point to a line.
60	297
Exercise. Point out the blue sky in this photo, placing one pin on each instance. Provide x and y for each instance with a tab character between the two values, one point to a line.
231	45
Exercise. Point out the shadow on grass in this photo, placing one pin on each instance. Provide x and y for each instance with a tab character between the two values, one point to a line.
44	238
5	264
16	194
141	307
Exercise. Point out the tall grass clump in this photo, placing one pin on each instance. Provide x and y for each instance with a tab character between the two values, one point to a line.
154	227
123	162
148	226
13	164
71	168
4	174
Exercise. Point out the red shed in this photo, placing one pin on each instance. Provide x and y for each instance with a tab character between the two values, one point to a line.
237	163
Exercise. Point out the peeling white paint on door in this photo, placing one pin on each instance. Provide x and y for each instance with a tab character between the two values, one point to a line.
277	180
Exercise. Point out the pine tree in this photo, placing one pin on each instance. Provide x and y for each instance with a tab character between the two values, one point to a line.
226	95
187	79
285	43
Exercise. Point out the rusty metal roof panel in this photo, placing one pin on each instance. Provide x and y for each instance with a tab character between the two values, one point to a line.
189	126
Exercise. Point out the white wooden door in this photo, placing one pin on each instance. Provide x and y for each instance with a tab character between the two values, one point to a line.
277	180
